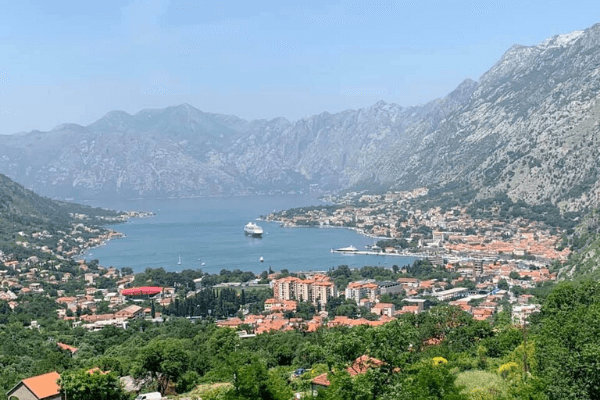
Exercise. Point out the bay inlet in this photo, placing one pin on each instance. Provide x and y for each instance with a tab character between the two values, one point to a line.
207	234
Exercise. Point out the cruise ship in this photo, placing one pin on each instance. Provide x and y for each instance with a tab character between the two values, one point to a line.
253	230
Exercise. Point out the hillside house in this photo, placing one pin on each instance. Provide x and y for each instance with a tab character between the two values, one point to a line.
41	387
358	367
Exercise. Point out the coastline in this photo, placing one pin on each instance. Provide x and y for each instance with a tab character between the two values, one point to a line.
111	234
357	230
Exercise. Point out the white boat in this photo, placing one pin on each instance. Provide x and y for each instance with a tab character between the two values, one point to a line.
261	259
349	249
179	262
253	230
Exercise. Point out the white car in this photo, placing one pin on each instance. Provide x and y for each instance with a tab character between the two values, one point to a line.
149	396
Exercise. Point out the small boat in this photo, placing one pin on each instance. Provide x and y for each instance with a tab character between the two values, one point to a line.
261	259
203	264
179	262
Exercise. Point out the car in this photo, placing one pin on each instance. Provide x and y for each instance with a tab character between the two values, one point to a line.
299	371
149	396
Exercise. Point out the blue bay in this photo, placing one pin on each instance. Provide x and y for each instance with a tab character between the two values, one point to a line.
210	231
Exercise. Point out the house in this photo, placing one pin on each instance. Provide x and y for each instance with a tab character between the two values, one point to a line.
387	309
130	312
273	304
66	347
41	387
358	367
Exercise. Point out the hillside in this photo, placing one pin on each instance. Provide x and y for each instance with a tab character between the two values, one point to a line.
31	225
527	128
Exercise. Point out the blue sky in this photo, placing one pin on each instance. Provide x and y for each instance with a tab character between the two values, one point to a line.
73	61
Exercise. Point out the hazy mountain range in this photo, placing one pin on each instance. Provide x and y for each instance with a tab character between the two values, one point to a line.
528	127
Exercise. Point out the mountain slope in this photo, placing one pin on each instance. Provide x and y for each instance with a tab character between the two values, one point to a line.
528	128
29	222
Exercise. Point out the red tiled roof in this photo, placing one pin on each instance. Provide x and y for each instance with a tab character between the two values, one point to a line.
63	346
321	380
362	364
43	385
359	366
145	290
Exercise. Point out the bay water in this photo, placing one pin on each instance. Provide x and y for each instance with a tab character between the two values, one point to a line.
207	234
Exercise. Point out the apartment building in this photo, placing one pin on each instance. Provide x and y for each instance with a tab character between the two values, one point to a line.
316	290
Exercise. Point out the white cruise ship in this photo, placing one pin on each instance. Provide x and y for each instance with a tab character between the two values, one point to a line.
253	230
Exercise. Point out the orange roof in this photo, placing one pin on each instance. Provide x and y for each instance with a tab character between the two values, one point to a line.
362	363
63	346
43	385
321	380
359	366
382	306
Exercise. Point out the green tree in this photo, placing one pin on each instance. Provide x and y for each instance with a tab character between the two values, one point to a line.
83	385
514	275
434	382
567	347
502	284
166	360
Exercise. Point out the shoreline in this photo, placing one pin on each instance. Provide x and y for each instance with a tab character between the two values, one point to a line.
324	226
357	230
111	234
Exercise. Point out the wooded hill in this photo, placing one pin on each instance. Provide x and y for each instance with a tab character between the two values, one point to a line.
23	213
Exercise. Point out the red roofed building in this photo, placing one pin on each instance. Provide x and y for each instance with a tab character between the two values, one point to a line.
359	366
273	304
41	387
66	347
387	309
142	291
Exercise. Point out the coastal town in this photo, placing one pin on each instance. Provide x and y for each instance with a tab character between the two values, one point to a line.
486	266
451	234
94	297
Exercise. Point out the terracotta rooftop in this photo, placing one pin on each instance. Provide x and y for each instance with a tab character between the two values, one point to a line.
359	366
362	364
321	380
43	385
65	347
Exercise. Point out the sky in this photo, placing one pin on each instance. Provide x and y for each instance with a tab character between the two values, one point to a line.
74	61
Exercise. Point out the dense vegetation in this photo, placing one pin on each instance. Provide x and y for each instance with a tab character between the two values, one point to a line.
503	208
23	213
443	353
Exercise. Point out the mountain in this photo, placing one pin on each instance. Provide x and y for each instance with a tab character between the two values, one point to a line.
181	151
528	128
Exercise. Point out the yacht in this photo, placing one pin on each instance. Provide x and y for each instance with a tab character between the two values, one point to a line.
349	249
253	230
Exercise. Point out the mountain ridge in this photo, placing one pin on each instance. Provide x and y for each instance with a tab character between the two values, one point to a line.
524	128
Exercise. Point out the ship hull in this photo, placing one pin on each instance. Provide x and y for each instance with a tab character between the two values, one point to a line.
253	234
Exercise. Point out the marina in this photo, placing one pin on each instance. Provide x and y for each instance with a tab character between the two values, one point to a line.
354	251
